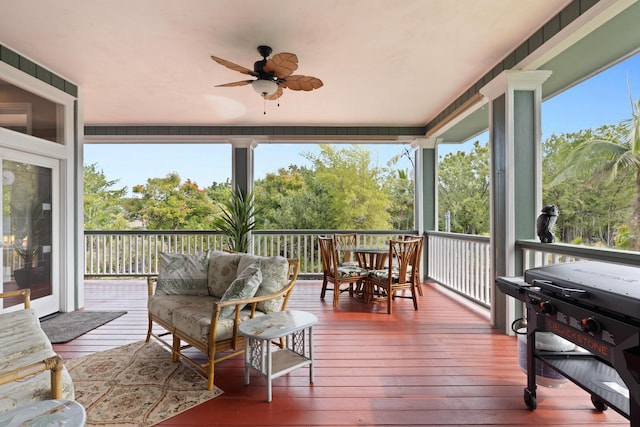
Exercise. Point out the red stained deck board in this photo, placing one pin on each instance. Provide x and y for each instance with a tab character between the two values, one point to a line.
441	365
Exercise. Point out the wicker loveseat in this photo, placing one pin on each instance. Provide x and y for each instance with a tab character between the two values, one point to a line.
29	368
200	299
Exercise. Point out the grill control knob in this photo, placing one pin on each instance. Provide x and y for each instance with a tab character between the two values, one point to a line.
590	324
547	308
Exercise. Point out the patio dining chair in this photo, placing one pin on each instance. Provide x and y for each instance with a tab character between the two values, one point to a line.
344	244
333	272
399	276
416	268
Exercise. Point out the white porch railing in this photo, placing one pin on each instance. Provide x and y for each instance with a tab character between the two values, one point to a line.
135	253
536	254
461	262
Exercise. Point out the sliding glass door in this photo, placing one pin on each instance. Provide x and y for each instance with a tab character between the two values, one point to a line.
29	206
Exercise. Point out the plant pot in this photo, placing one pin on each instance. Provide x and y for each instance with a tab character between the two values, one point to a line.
23	277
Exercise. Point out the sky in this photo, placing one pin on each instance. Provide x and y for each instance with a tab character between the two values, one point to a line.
602	99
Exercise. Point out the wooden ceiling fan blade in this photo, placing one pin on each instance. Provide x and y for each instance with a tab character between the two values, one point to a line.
282	64
240	83
275	95
300	82
234	67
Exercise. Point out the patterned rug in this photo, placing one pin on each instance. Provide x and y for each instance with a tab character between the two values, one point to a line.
135	385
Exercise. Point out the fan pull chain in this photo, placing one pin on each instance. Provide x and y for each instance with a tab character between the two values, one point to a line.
265	105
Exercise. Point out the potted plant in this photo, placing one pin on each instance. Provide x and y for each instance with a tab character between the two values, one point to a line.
27	243
237	220
25	275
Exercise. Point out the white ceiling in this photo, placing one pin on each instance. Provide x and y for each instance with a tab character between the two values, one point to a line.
383	62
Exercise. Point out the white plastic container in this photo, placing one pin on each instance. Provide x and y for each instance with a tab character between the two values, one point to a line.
545	341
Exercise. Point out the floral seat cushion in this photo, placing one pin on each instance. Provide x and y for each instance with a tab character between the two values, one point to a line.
164	306
24	343
193	317
345	271
349	264
383	275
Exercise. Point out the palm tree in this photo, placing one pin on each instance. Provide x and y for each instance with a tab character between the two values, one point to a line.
602	159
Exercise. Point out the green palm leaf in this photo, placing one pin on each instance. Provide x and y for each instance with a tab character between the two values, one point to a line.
237	220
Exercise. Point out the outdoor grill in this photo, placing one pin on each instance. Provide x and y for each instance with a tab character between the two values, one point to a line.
596	306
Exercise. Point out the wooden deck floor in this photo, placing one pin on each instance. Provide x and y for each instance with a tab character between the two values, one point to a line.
441	365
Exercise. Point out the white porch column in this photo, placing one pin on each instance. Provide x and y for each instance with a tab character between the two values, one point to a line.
242	163
242	150
426	184
516	182
426	191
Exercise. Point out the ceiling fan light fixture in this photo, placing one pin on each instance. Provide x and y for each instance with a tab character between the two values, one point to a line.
264	87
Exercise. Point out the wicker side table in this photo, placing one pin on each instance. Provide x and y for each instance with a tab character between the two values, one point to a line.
295	327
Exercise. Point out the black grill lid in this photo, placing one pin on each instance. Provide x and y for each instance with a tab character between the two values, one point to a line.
613	287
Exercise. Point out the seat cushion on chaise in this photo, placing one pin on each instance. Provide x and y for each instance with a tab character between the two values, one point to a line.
24	343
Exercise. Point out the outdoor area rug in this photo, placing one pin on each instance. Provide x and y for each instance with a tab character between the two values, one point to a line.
64	327
135	385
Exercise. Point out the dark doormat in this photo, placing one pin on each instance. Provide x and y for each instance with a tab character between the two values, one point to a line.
64	327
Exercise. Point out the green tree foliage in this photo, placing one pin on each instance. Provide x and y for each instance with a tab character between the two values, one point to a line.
342	189
168	204
219	192
102	204
400	187
355	196
289	201
632	126
590	175
463	190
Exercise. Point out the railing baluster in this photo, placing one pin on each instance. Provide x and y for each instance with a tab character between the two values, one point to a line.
461	262
136	253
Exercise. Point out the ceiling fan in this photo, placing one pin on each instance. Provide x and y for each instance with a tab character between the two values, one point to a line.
272	75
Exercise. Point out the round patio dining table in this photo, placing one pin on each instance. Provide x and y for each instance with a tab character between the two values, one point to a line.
371	259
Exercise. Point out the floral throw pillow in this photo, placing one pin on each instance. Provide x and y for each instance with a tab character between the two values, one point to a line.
183	274
244	286
223	269
275	276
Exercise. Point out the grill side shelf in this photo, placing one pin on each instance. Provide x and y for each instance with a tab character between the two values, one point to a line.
596	378
513	286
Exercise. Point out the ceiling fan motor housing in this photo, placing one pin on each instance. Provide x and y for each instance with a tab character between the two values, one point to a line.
258	66
264	51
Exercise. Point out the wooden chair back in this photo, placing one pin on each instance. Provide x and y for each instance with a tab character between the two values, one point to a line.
416	268
405	255
345	244
328	256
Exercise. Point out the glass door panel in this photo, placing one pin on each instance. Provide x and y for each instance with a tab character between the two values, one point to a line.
27	230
